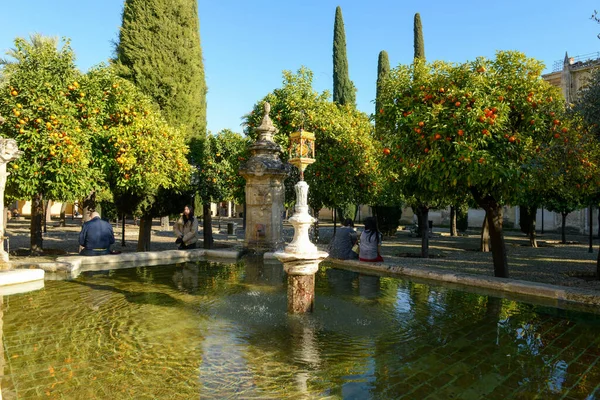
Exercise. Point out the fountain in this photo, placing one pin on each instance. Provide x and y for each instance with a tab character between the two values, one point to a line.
264	173
301	258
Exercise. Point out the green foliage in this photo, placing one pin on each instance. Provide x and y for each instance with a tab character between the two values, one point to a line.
139	154
587	104
388	219
383	70
462	219
484	125
347	157
159	50
217	160
419	43
41	115
344	92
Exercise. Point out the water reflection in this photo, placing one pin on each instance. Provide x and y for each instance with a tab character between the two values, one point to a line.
226	334
186	277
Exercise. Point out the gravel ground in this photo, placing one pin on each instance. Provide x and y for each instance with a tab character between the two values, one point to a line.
552	262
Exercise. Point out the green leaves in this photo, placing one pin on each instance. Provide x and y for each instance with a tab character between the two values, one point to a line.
41	117
478	124
347	155
216	160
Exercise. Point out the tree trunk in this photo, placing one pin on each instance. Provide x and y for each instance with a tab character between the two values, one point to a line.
63	216
37	212
424	228
145	234
334	220
598	266
563	233
485	236
48	215
44	227
599	223
88	206
207	226
453	231
493	212
591	211
532	234
494	216
123	231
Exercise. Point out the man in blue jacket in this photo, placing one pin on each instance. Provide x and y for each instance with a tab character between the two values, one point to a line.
96	236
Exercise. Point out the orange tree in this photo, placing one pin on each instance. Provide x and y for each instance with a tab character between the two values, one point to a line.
41	117
141	157
471	127
347	169
572	172
216	160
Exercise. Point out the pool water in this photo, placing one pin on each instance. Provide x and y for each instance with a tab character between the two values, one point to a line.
213	331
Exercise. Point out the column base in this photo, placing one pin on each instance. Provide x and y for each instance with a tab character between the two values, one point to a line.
300	294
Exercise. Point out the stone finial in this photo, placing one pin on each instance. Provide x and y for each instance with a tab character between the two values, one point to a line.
9	150
266	130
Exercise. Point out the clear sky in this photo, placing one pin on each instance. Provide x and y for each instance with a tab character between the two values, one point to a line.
247	44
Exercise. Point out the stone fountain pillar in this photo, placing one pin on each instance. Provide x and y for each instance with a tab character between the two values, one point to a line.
265	191
301	257
8	151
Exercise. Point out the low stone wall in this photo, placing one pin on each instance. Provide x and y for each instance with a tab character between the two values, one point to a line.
72	266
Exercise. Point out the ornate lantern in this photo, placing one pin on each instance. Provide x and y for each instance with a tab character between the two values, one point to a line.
302	150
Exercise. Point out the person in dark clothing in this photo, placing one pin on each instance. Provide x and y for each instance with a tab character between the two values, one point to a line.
343	241
95	237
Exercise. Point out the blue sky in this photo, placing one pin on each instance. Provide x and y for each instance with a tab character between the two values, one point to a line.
247	44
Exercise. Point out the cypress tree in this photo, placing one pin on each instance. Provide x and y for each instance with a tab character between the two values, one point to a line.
159	50
418	36
383	70
343	88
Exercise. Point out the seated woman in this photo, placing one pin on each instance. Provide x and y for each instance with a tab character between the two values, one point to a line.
370	242
186	229
343	241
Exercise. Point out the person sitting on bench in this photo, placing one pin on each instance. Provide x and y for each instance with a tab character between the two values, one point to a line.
96	236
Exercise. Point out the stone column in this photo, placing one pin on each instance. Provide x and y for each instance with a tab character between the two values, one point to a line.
265	192
301	257
8	152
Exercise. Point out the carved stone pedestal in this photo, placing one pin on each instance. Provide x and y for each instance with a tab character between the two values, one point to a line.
301	258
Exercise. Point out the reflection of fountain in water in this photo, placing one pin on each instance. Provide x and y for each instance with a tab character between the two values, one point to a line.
305	348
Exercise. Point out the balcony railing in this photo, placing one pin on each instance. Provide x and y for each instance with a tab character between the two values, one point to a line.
578	61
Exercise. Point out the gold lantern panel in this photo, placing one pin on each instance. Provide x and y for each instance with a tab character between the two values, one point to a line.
302	150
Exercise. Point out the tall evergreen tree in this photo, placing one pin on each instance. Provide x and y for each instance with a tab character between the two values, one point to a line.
418	36
159	50
343	88
383	70
388	209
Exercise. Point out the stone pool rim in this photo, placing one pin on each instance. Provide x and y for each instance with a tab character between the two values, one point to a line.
73	265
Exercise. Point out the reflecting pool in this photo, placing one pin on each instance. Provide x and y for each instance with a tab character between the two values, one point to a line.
213	331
